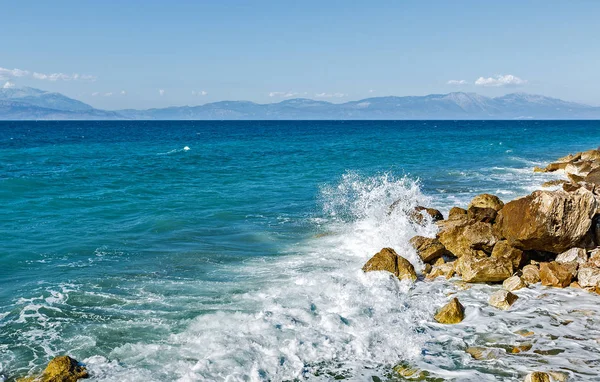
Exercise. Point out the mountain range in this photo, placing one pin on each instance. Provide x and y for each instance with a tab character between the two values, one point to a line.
33	104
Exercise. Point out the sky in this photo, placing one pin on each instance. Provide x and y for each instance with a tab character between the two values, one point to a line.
145	54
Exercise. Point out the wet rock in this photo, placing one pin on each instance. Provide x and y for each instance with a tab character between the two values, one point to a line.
487	201
513	283
456	212
486	215
589	277
60	369
530	274
554	183
480	352
557	274
428	249
451	313
484	269
388	260
573	255
442	270
465	238
434	214
520	348
412	373
558	376
502	299
551	221
537	376
505	250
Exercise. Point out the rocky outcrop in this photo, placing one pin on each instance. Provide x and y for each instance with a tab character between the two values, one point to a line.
503	299
60	369
551	221
557	274
388	260
484	269
428	249
451	313
487	201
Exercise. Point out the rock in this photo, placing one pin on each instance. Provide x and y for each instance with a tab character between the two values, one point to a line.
589	277
530	274
410	372
554	183
428	249
486	215
537	376
456	212
559	376
480	352
487	201
464	238
593	176
484	269
590	156
594	259
502	299
444	270
557	274
577	255
505	250
388	260
432	212
60	369
580	168
551	221
513	283
571	187
451	313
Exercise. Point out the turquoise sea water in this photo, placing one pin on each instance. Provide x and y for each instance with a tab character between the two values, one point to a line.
232	250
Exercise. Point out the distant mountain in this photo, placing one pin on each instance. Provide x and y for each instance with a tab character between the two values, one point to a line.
29	103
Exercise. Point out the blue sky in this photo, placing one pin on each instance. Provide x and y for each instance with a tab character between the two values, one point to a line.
142	54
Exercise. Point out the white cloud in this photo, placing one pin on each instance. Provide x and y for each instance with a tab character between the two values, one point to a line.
63	77
457	82
12	73
161	92
331	95
199	93
95	94
283	94
371	91
501	80
123	92
8	85
108	94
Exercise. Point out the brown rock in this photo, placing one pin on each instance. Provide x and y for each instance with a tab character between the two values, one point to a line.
505	250
502	299
388	260
589	277
484	269
442	270
593	176
456	212
513	283
61	369
461	237
451	313
557	274
554	183
537	376
480	352
594	259
486	215
428	249
590	156
531	274
487	201
434	214
551	221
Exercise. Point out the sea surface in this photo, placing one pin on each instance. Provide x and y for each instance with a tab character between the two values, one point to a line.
232	251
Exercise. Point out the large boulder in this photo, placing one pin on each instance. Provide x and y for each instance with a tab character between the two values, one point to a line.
463	237
487	201
388	260
428	249
451	313
557	274
484	269
60	369
551	221
502	299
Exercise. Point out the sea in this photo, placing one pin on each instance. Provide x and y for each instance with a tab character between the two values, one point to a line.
232	251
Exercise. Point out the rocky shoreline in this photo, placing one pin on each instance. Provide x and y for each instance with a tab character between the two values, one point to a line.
550	237
547	237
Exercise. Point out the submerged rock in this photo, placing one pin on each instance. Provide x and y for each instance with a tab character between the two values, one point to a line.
60	369
451	313
502	299
557	274
551	221
487	201
537	376
480	352
427	248
388	260
484	269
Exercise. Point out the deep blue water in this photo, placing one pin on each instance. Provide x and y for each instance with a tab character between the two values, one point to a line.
115	239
